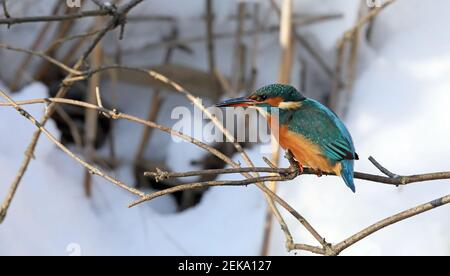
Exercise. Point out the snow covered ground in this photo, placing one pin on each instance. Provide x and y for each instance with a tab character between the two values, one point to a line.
399	114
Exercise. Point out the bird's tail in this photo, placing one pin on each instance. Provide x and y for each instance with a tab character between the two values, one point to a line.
347	173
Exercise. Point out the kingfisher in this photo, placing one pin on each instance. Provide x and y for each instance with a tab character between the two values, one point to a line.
314	134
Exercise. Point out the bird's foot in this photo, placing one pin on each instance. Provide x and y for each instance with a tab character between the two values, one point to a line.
296	167
319	173
300	168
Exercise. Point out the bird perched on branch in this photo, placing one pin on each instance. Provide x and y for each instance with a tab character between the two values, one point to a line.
314	134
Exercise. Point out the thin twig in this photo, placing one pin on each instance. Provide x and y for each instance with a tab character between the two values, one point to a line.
143	18
334	99
5	10
98	3
32	19
42	55
316	19
98	97
152	115
223	81
381	168
370	15
62	40
303	74
201	185
209	21
91	116
255	47
72	126
162	175
238	49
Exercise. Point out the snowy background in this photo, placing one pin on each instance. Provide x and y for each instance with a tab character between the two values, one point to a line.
398	113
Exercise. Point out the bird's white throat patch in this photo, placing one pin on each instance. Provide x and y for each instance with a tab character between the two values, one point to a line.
290	105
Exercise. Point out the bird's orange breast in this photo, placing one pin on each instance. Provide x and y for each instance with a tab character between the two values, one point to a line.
306	152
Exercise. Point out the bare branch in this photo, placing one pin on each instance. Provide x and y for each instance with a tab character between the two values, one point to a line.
78	140
142	18
316	19
391	220
60	41
381	168
5	10
162	175
44	56
209	20
398	180
372	14
32	19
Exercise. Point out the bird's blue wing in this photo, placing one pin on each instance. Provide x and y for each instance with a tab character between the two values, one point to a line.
321	126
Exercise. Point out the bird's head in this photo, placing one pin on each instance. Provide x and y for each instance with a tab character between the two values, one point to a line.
271	96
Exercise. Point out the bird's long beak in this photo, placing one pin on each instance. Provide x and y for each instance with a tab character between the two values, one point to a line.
244	101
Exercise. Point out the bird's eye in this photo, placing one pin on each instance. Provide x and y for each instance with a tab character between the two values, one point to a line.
258	98
261	98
